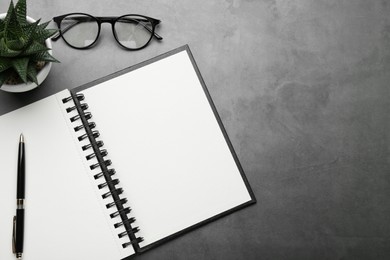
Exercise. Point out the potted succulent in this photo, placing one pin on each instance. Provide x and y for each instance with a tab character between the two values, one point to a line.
25	50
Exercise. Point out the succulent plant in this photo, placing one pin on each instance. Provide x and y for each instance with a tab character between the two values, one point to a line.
22	45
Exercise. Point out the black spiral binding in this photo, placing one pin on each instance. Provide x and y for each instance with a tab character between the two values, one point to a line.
110	182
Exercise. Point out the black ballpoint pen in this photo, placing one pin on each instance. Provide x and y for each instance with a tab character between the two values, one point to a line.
18	230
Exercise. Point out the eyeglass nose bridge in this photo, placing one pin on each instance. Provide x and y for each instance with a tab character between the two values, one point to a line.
106	19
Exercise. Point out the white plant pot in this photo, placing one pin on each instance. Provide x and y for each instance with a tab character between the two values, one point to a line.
42	74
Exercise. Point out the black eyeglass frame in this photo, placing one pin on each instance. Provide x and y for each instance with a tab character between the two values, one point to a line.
107	19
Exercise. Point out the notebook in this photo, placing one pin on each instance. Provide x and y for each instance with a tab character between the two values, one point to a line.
120	165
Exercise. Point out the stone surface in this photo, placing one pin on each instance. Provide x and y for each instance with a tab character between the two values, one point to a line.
302	88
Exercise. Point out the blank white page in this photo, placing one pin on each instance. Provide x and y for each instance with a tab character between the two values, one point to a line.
166	146
63	215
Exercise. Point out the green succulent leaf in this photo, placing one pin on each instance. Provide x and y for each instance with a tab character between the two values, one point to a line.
12	30
2	26
32	73
21	11
20	66
5	51
44	56
35	47
30	32
15	45
5	64
11	8
43	26
46	33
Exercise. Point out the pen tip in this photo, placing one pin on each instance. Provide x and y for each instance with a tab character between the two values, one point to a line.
21	138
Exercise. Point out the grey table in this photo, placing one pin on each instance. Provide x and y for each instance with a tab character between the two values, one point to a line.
302	88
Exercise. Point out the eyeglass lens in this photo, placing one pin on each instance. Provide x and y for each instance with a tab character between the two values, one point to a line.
79	30
82	31
133	31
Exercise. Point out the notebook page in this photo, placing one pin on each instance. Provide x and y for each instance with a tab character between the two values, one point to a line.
85	155
63	219
166	146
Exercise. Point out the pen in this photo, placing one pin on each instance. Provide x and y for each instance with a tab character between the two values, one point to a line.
18	230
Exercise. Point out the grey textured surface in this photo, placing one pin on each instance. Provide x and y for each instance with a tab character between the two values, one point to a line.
302	88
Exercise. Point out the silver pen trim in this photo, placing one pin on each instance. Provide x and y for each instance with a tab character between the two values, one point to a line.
19	203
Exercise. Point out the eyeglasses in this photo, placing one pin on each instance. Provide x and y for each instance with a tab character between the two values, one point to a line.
131	31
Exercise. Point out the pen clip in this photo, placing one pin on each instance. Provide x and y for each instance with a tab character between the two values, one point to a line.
13	235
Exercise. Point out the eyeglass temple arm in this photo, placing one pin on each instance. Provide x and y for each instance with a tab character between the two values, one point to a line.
158	37
58	34
78	20
82	19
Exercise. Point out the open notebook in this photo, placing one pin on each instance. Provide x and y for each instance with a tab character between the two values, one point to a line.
120	165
